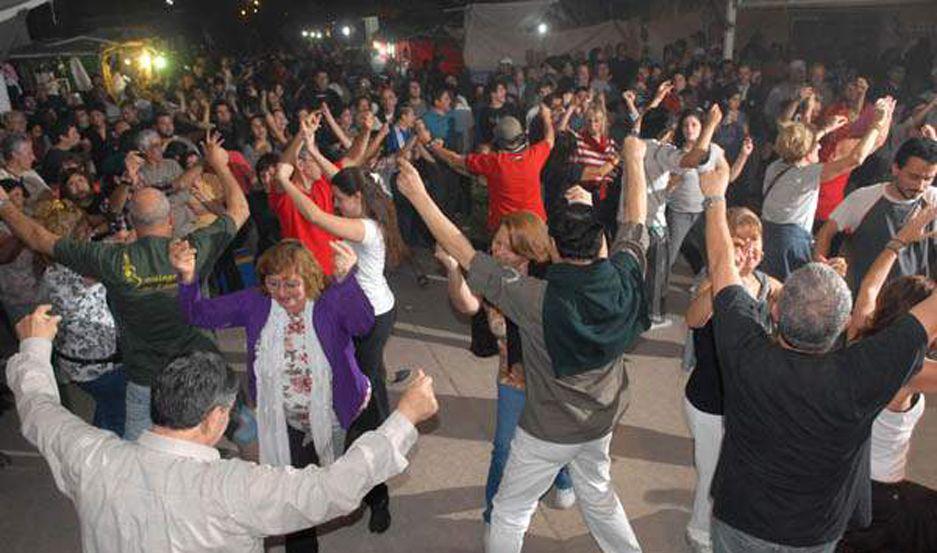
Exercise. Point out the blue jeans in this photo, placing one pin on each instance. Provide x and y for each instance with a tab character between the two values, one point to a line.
727	539
510	407
787	248
109	392
138	411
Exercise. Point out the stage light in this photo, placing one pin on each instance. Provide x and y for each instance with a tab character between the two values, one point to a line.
305	33
170	2
542	29
160	62
346	31
145	60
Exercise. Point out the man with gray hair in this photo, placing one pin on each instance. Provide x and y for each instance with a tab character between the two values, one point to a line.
18	159
166	175
794	466
171	491
140	280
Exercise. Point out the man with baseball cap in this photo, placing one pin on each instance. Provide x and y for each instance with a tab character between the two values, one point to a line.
512	171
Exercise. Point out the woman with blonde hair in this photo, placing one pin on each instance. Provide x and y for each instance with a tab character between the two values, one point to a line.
522	243
304	382
792	187
703	394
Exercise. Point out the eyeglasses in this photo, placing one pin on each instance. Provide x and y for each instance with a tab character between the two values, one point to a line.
289	285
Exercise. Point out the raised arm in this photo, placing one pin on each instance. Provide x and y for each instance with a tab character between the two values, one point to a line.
452	159
221	312
633	206
343	227
549	134
739	164
359	146
308	129
916	229
443	230
719	249
884	108
336	128
269	500
460	296
235	203
28	231
700	151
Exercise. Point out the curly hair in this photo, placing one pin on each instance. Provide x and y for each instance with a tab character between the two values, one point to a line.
291	255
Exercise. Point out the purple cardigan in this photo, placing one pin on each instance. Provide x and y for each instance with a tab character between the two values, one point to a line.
340	313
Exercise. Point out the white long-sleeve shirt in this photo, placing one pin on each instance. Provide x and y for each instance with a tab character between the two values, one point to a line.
164	494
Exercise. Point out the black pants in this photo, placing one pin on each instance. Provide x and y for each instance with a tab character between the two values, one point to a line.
304	541
369	351
904	520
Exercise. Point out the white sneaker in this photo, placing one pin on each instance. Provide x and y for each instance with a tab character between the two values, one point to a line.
661	323
564	499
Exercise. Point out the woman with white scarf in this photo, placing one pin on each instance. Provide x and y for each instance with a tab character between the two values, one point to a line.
305	384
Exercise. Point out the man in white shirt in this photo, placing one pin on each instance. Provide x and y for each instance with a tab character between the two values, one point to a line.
170	490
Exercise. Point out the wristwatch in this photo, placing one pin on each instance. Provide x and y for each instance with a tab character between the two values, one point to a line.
710	201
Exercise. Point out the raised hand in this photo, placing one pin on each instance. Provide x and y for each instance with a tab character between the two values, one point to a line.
419	401
714	115
284	171
884	109
40	324
422	133
215	154
545	112
409	181
447	260
344	258
918	226
629	96
578	195
715	182
748	146
836	122
182	258
663	89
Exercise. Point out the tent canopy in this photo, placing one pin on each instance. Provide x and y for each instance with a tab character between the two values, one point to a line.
10	8
82	45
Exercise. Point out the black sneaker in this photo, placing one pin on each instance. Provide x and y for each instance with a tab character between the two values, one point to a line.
380	518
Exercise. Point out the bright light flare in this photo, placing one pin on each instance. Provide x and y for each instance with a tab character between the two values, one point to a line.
542	29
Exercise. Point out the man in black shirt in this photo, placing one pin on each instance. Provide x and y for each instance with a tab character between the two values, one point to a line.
497	107
798	412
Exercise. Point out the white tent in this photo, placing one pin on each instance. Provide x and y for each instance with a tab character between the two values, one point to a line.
13	31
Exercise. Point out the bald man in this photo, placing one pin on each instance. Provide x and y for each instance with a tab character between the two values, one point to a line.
140	281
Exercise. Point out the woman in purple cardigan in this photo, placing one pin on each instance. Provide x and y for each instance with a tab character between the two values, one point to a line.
305	384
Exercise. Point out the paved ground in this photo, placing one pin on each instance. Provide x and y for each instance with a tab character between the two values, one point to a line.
436	504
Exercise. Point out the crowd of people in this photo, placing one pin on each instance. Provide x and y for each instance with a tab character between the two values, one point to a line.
275	192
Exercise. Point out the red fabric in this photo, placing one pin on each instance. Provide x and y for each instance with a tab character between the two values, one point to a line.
513	181
242	170
595	152
294	225
833	191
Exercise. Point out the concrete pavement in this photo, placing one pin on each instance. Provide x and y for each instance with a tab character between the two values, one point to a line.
436	504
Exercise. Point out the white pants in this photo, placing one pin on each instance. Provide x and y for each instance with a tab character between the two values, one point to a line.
531	469
707	441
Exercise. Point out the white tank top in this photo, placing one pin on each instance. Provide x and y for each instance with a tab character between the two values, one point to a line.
891	439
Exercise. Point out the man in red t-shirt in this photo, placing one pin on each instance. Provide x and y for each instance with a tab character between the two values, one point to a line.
312	181
512	172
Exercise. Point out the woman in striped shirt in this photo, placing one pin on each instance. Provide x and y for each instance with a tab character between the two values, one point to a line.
597	152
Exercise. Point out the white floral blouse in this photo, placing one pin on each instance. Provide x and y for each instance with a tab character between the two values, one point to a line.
87	331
